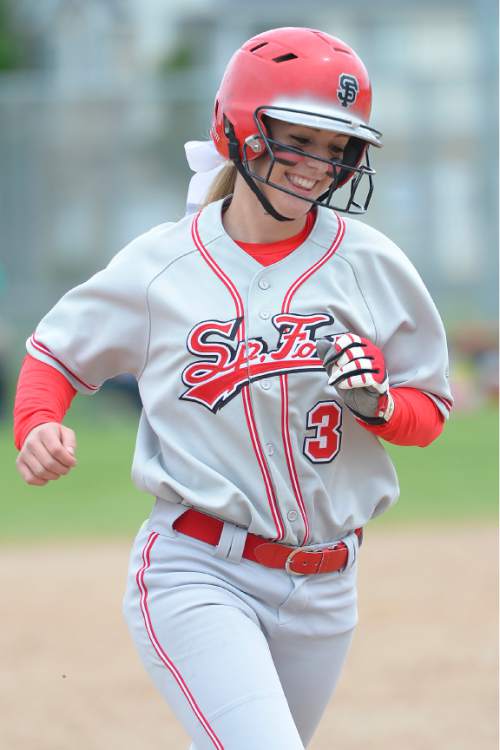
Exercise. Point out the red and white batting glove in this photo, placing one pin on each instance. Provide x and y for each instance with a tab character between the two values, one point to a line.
356	368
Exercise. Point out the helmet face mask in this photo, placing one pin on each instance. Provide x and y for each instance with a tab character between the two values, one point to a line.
340	171
302	77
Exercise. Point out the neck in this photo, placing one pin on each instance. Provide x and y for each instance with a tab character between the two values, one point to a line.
247	221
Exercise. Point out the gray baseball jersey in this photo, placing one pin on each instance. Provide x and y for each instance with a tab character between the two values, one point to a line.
238	418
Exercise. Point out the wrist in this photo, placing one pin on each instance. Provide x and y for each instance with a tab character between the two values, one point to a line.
26	427
383	415
386	407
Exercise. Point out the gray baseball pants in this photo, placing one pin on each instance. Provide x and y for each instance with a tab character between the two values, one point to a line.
246	656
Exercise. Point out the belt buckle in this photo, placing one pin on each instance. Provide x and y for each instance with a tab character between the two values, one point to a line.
308	550
289	560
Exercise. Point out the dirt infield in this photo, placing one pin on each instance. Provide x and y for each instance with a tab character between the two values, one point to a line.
422	672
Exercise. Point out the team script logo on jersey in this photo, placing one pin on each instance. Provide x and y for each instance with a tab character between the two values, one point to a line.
228	363
348	89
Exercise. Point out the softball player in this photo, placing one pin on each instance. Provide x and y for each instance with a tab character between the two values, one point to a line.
275	343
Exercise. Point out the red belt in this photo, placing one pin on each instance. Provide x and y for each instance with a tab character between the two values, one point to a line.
299	560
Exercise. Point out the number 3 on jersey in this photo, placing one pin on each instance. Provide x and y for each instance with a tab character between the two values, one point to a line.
326	419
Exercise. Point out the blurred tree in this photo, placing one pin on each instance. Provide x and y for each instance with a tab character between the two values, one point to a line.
12	41
181	57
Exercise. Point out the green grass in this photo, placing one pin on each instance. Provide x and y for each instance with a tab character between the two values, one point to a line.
97	498
455	479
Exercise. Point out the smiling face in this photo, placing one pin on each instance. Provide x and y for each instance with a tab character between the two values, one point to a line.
302	174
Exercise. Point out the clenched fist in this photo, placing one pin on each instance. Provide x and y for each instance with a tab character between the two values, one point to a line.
356	368
47	454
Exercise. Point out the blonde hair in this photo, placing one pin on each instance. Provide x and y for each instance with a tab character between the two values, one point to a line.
223	184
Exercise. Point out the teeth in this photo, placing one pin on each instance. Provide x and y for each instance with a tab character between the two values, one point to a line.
301	181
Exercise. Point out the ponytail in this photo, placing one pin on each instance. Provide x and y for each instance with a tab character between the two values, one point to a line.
223	184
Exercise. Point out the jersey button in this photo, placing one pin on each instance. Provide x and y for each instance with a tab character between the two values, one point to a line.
265	384
265	314
292	515
269	449
264	284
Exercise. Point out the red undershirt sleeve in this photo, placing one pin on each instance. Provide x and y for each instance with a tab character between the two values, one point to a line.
43	395
416	419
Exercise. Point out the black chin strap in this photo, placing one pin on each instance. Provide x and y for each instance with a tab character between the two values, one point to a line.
234	155
267	205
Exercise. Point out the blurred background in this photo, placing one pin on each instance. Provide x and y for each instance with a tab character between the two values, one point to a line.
97	98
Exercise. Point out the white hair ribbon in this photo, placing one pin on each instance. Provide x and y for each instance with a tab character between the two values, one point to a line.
203	159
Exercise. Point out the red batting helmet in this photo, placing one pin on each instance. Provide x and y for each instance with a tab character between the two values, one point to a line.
304	77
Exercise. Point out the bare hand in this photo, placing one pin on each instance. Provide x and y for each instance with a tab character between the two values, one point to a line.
47	454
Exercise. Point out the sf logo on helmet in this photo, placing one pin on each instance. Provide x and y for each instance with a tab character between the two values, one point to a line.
348	89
